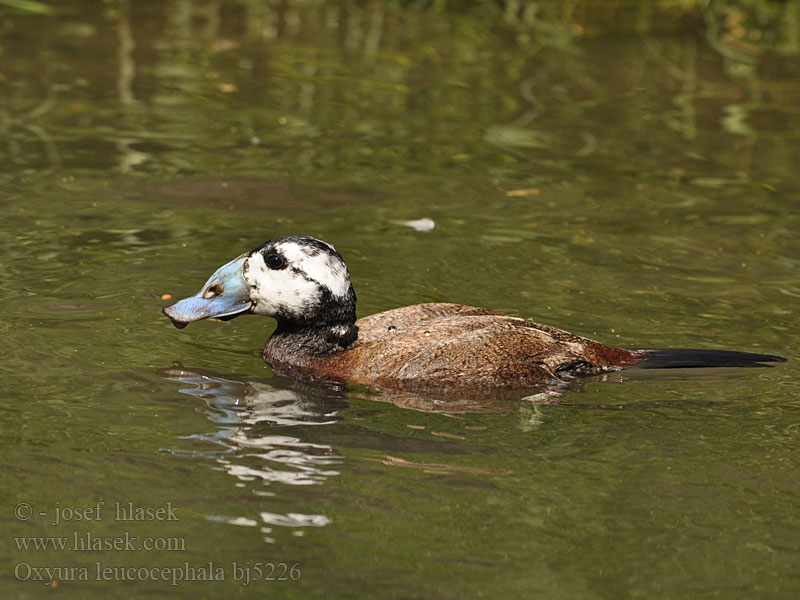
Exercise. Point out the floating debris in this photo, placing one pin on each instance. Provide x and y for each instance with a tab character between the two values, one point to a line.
524	192
448	435
418	225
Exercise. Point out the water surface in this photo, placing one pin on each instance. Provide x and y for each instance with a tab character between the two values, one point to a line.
628	174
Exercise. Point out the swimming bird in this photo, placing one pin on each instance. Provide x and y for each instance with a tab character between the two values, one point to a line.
304	284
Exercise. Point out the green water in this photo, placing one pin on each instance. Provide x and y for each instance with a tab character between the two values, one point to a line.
626	172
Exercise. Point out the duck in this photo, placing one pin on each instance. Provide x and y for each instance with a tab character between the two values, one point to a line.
304	284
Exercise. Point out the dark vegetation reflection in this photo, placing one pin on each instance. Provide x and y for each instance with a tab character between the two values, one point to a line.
320	88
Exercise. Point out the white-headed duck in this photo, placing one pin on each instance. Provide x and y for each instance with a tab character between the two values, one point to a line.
304	284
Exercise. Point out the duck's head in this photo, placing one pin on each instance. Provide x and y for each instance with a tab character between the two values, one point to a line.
300	281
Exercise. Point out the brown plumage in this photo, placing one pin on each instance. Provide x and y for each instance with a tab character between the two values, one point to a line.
446	345
304	284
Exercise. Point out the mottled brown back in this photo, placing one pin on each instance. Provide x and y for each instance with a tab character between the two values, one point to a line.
454	345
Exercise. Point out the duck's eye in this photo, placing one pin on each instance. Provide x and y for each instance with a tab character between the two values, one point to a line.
274	261
213	291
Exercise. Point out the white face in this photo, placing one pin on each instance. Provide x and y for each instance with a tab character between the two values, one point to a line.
291	277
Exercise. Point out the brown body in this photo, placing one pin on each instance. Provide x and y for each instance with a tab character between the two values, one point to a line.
447	345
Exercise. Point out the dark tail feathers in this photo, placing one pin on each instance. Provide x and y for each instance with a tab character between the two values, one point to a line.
675	359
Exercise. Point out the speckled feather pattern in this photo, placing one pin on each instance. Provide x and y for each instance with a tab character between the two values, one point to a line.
447	345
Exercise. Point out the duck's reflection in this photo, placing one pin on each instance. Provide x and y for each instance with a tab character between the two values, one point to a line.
251	418
267	431
262	432
248	412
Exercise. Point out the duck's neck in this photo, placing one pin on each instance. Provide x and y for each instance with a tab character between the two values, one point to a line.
303	350
305	341
300	344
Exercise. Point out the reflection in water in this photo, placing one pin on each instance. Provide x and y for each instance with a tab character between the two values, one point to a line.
250	418
262	427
